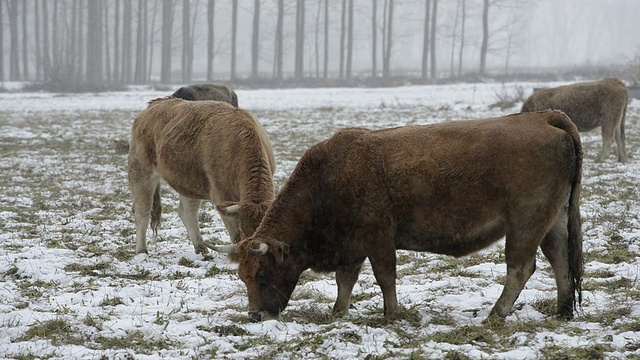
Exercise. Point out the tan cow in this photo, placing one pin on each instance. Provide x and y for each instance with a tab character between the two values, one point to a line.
205	150
451	189
601	103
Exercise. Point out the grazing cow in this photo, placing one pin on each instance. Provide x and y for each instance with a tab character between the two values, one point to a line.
451	189
217	92
206	150
589	105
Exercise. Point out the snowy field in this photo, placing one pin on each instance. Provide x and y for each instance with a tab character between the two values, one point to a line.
71	286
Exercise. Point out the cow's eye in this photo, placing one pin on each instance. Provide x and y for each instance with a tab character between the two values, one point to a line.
263	277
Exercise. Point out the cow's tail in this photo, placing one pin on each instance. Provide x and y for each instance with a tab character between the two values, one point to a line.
574	224
156	210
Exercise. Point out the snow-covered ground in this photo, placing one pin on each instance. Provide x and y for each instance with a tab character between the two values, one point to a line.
71	287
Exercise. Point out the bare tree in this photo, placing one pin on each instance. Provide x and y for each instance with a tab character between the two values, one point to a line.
234	36
343	35
167	25
127	39
107	53
37	42
278	51
116	43
374	39
386	64
255	39
2	43
80	44
485	37
14	55
462	27
453	39
152	41
300	26
326	40
434	20
186	41
350	42
25	57
94	43
140	73
210	38
425	39
46	59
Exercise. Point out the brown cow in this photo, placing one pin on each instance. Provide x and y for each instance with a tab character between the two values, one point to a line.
206	150
589	105
217	92
451	189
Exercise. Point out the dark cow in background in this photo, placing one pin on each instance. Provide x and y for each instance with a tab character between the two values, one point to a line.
217	92
601	103
206	150
451	189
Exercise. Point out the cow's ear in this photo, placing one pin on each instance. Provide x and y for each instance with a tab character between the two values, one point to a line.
282	251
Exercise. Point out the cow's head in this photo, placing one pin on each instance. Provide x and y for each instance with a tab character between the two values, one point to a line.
242	219
268	272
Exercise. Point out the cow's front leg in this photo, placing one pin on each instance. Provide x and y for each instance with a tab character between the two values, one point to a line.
188	212
346	278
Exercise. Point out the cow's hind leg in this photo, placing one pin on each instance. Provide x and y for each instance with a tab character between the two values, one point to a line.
346	277
520	255
188	212
142	184
556	250
622	152
607	139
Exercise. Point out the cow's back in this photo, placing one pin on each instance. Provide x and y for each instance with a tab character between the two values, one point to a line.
586	103
482	171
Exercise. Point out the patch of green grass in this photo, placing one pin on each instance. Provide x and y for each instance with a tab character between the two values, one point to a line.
592	352
466	335
97	269
135	340
546	306
186	262
608	316
225	330
112	301
58	330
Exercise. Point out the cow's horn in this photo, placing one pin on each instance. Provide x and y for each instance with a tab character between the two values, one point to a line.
229	210
225	249
261	250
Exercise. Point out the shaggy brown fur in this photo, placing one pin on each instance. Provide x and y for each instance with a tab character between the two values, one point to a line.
217	92
206	150
601	103
451	188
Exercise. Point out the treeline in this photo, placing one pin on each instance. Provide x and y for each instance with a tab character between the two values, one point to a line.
105	43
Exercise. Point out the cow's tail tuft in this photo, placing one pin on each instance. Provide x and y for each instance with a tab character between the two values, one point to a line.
156	210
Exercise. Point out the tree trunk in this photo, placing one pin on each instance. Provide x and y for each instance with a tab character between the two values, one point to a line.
55	44
25	57
151	45
374	40
387	57
425	40
279	41
80	60
116	43
140	75
71	57
317	39
210	39
255	39
46	59
300	25
453	39
350	42
167	24
485	37
2	41
326	40
186	17
94	43
37	43
464	18
434	20
343	35
14	54
234	36
107	53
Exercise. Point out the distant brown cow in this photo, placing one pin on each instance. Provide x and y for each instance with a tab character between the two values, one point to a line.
217	92
206	150
589	105
451	189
